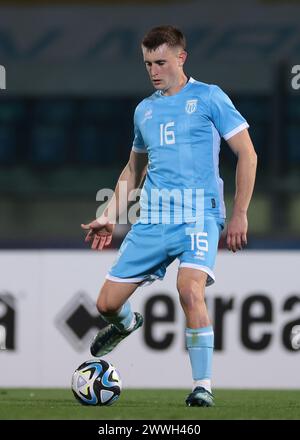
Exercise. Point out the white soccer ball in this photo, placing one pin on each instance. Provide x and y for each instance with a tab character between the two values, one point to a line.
96	382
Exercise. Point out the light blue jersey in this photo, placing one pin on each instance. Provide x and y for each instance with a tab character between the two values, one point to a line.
181	134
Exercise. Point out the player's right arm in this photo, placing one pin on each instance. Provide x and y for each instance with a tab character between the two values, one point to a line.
101	229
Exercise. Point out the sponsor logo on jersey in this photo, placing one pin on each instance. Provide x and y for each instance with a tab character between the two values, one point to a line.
147	115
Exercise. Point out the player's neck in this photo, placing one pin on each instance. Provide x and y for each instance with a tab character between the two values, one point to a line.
183	80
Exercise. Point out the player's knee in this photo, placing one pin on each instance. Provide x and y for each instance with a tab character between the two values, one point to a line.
100	305
104	308
191	294
104	304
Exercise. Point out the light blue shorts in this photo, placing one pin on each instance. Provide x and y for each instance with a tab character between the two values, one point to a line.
148	249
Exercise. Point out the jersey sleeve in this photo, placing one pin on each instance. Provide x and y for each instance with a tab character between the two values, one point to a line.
226	118
138	144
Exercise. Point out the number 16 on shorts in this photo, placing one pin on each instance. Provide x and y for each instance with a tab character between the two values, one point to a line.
199	242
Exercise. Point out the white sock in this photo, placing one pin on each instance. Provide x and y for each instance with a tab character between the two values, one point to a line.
205	383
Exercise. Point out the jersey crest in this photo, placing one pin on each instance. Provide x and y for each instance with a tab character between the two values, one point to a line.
191	106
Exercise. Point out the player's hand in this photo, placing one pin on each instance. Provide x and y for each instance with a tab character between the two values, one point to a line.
237	232
99	233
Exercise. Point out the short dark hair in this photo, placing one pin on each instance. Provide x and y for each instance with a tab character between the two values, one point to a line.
159	35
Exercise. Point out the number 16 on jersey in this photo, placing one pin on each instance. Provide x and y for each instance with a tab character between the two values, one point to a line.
167	135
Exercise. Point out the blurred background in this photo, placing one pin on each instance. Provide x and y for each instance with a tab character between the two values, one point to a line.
74	74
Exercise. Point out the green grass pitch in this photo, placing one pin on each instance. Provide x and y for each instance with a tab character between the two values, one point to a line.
150	404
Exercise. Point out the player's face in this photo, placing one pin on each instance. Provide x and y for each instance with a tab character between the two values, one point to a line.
165	67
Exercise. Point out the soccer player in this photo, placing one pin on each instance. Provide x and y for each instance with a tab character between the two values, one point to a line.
176	149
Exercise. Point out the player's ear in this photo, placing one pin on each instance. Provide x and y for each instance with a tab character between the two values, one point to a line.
182	56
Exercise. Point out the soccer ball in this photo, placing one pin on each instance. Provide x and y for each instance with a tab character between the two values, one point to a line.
96	382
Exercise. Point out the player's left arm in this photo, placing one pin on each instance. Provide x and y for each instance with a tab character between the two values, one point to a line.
242	146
